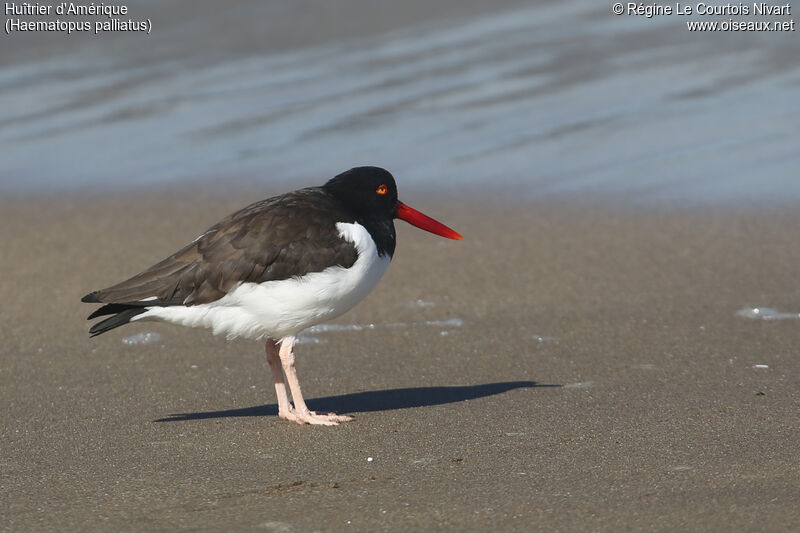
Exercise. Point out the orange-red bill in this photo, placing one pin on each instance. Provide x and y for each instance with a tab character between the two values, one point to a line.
415	218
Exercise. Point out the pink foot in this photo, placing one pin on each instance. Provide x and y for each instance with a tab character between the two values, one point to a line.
310	417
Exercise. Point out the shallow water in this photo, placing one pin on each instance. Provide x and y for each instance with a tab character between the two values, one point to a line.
554	99
311	335
765	313
142	338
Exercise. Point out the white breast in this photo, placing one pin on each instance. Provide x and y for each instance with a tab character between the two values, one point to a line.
280	308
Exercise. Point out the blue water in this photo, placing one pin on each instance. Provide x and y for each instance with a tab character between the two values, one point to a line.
561	99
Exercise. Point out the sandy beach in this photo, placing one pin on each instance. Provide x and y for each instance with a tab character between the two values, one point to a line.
564	367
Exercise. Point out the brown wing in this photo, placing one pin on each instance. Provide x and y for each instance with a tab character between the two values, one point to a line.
274	239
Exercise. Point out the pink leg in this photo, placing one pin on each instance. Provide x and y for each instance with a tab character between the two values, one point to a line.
300	413
274	360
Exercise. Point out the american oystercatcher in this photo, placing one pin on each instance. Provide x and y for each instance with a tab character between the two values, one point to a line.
273	269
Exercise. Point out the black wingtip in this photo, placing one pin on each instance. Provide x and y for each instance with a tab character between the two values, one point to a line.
108	309
115	321
91	298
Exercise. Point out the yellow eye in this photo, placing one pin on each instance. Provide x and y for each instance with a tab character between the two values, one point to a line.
382	189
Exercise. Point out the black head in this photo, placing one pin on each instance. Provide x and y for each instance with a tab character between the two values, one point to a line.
370	193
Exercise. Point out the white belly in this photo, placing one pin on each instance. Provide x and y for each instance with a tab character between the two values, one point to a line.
278	309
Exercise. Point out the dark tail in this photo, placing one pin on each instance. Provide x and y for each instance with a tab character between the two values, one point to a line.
122	313
120	318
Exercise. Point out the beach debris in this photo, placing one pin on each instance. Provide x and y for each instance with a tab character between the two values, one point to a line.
370	459
760	366
760	393
765	313
545	338
145	337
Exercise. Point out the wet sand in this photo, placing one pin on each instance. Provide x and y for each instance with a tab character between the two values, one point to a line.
600	379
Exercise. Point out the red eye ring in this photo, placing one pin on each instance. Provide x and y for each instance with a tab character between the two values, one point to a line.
382	189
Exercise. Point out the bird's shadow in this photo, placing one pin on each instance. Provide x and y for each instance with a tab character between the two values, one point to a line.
380	400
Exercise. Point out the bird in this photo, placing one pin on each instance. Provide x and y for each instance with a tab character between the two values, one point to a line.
273	269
